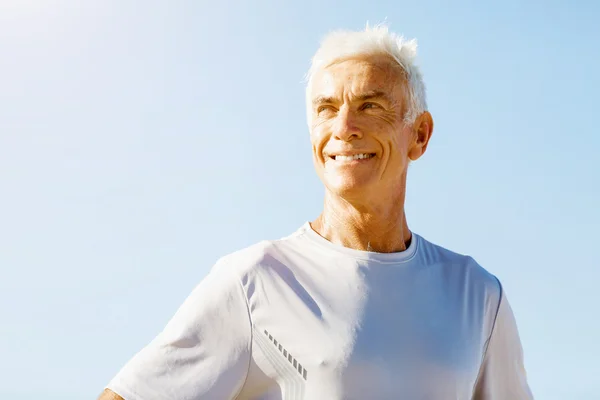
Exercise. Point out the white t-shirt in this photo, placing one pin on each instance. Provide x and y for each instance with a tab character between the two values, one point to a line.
303	318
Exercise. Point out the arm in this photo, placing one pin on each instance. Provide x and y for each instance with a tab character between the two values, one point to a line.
108	394
203	352
502	374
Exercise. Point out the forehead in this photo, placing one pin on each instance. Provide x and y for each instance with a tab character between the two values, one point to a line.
359	75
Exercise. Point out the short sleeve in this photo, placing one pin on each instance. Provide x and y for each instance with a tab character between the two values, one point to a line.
503	374
202	353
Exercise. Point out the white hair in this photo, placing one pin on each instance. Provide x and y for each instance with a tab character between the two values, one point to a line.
377	40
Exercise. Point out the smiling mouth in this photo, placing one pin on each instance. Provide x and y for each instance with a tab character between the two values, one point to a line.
362	156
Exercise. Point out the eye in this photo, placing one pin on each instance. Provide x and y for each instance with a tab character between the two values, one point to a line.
368	106
325	109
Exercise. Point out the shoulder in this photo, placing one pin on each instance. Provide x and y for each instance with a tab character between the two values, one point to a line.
459	266
249	260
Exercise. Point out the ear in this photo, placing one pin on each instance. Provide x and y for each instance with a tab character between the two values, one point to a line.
422	129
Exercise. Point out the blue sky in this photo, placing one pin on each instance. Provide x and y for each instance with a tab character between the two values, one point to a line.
141	141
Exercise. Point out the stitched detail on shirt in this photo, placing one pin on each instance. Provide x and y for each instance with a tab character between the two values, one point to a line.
288	377
295	364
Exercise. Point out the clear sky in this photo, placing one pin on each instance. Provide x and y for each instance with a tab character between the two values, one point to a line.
142	140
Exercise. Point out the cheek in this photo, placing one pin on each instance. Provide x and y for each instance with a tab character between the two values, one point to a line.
398	144
400	150
318	138
396	141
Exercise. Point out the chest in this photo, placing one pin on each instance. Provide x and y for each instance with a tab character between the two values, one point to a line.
367	336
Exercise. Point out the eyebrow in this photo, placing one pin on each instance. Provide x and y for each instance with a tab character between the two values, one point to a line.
323	100
371	95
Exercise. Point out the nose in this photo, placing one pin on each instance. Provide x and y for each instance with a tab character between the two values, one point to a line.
345	127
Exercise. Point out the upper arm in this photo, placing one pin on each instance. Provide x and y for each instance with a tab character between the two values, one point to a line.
203	352
503	374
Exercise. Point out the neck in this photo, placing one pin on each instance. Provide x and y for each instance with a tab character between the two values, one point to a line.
364	226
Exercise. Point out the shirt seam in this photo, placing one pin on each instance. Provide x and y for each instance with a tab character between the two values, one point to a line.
487	342
251	340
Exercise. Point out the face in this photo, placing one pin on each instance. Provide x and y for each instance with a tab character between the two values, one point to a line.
360	142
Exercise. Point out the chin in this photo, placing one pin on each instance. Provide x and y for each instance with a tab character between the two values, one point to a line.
347	187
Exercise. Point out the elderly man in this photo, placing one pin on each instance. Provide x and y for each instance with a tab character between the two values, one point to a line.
352	305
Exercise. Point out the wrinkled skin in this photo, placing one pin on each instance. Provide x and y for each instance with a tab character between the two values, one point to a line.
358	106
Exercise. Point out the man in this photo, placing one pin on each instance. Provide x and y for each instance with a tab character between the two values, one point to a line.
353	305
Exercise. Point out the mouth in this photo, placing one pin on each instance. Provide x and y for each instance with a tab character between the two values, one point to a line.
353	157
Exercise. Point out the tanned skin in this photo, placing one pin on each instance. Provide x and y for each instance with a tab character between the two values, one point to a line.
109	395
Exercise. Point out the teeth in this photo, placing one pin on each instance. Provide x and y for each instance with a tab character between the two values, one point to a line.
354	157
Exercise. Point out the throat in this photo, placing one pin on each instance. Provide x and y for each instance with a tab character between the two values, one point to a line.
385	239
